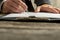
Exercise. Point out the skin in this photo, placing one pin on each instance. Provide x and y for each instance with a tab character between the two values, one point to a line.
47	8
14	6
19	6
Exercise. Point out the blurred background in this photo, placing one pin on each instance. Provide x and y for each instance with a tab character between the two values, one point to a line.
55	3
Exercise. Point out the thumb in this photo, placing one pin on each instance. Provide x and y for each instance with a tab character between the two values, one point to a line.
38	9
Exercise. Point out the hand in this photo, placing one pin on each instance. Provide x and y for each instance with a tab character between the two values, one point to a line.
47	8
10	6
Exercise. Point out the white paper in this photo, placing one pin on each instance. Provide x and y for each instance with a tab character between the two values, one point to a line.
27	14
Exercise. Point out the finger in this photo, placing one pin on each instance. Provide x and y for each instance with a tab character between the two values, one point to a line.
15	6
58	10
21	3
38	9
10	3
49	9
12	9
46	9
5	10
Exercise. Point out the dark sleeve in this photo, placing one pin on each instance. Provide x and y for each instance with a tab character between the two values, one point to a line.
40	2
1	2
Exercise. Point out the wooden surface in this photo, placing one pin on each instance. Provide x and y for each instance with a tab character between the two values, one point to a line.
10	30
30	25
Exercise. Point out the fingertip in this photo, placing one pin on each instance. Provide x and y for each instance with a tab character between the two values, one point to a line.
53	10
38	9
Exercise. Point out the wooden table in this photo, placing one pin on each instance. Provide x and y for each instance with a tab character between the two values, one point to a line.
10	30
29	25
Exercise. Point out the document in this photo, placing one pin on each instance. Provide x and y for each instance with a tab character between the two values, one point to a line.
37	15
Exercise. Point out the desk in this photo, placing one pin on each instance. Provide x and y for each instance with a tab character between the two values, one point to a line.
29	25
29	31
